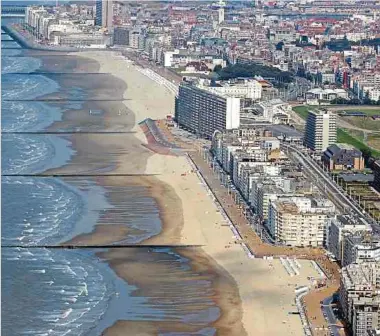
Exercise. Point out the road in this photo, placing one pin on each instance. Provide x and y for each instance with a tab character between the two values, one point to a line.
329	187
330	316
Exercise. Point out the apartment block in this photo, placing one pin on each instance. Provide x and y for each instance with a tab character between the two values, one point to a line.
360	247
320	131
203	112
340	227
299	221
121	36
360	298
104	13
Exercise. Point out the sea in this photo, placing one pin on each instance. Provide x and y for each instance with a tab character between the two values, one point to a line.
48	290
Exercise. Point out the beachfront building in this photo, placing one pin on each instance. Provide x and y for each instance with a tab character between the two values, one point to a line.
225	144
342	156
204	112
360	247
320	130
359	296
104	13
340	227
299	221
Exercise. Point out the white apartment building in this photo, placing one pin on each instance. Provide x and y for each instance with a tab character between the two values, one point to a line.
361	247
359	296
299	221
250	89
203	112
320	130
340	227
275	111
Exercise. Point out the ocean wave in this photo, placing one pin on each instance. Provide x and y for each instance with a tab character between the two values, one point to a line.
61	206
19	64
54	304
28	154
17	116
26	87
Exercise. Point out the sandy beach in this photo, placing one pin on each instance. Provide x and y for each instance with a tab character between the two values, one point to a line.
265	290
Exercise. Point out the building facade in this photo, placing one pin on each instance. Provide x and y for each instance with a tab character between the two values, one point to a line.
203	112
299	221
121	36
320	130
359	297
340	227
342	157
104	13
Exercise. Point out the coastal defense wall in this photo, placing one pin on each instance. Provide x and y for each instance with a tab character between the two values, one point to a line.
157	142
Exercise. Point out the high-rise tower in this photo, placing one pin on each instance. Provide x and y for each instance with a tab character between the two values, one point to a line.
104	13
320	131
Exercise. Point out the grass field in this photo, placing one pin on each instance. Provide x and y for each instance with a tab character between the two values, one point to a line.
302	111
363	122
373	140
355	133
344	137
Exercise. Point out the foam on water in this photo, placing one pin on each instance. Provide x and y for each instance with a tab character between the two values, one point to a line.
19	64
17	116
30	153
26	87
51	296
61	207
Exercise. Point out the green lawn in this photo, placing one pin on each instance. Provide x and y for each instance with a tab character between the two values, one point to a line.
344	137
368	112
302	111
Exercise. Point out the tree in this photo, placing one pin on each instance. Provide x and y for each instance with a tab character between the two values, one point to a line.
251	70
217	68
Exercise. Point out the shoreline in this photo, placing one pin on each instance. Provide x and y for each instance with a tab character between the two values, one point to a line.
144	104
224	290
188	215
260	283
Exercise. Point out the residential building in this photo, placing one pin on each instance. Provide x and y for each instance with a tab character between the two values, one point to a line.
250	89
104	13
320	131
342	156
203	112
121	36
359	296
339	227
299	221
360	247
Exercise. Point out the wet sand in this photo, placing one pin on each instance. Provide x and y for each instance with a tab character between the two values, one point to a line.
122	155
147	275
265	291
